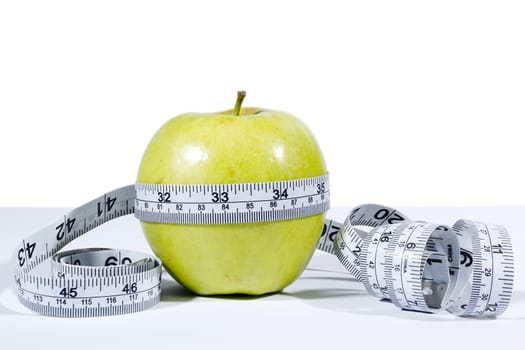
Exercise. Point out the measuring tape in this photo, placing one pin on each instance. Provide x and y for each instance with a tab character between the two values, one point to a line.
466	269
232	203
99	282
418	266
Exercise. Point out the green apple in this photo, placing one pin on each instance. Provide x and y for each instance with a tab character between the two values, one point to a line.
235	146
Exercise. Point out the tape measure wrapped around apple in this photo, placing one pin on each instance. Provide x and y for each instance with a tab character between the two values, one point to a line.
234	202
242	145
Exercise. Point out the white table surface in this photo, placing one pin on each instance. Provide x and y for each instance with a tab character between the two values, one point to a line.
322	309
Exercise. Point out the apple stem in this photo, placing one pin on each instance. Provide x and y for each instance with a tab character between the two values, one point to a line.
240	97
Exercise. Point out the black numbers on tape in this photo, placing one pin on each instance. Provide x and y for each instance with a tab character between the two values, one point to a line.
333	232
113	260
107	205
130	288
356	251
497	249
466	257
219	197
280	195
395	217
164	197
64	228
385	237
60	290
222	203
432	261
383	213
69	292
28	249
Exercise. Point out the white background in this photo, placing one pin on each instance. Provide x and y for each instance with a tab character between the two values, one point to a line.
413	102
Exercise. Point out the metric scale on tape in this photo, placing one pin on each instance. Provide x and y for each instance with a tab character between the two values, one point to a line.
466	269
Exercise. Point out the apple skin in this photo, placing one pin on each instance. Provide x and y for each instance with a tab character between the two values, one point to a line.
218	148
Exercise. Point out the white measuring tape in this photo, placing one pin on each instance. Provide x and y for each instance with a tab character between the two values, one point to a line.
466	269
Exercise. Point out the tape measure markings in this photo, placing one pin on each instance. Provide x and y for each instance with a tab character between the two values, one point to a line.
99	282
232	203
326	241
373	262
427	267
89	288
467	269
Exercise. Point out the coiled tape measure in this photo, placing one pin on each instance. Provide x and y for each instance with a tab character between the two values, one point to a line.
466	269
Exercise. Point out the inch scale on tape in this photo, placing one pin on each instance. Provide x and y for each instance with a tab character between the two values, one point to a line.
232	203
466	269
87	282
99	282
